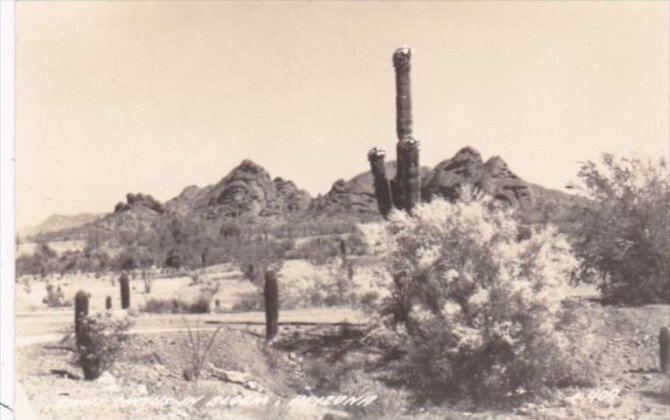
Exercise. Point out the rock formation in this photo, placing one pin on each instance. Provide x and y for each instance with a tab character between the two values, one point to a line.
468	168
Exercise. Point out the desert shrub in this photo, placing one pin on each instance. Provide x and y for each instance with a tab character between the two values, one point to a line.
323	250
200	346
106	335
173	259
625	234
147	281
201	305
254	258
161	306
43	261
55	297
472	309
318	251
302	284
230	230
252	301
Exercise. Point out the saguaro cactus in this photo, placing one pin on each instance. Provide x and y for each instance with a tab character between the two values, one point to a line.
271	305
125	291
343	251
404	191
664	351
108	302
80	312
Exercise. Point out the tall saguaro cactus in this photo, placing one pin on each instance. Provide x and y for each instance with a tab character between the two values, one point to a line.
271	305
125	291
404	191
80	312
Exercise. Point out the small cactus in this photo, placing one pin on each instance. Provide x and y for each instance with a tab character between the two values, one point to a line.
343	248
125	291
80	312
343	251
108	302
664	353
271	305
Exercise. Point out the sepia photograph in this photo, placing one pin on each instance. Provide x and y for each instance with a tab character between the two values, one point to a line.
332	210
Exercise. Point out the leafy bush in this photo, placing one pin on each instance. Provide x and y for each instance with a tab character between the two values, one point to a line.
105	335
626	234
473	309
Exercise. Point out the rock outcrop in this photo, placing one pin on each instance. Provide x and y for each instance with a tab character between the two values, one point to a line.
247	191
467	168
140	200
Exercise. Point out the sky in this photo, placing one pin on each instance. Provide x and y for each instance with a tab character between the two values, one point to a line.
116	97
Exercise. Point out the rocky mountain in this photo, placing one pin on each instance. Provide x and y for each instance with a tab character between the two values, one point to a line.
249	194
58	222
356	196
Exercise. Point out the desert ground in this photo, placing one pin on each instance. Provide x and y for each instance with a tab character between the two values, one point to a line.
243	377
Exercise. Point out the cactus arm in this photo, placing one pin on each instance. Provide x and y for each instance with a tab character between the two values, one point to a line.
381	183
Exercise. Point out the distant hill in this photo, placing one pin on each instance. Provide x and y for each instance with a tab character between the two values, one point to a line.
248	195
58	222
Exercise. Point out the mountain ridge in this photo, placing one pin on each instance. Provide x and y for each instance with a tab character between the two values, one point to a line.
249	194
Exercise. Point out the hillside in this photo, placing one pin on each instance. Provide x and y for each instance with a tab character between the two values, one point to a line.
249	195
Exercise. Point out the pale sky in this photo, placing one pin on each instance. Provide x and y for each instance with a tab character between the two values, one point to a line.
116	97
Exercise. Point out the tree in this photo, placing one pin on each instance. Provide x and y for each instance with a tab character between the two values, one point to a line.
625	235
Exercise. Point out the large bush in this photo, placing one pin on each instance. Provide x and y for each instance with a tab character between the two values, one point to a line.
475	310
625	235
